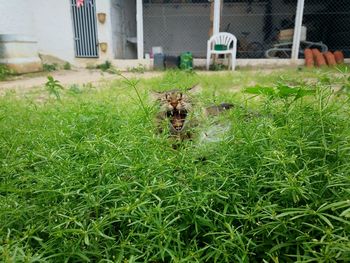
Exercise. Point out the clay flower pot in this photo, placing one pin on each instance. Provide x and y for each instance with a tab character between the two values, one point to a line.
101	17
316	52
330	59
309	59
103	46
339	57
320	61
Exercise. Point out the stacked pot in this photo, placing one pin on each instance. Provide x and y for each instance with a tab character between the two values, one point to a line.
313	57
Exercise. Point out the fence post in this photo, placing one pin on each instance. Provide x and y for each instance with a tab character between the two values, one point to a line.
297	30
139	22
217	18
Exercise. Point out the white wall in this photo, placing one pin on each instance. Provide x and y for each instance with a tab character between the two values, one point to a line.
50	22
15	18
104	31
54	27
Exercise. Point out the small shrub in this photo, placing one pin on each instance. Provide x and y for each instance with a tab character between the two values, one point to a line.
5	72
50	67
53	86
67	66
105	66
218	67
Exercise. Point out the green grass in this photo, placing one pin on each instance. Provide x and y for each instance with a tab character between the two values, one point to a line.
5	72
86	179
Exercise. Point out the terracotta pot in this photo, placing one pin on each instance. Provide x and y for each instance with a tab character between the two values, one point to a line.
320	61
330	59
316	52
308	53
339	57
309	62
103	46
101	17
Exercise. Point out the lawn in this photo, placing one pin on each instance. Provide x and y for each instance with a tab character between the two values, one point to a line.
85	177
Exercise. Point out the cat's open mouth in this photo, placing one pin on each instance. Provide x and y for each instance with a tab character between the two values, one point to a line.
177	119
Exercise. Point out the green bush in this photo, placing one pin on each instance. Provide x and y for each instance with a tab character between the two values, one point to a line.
87	179
67	66
5	72
105	66
50	67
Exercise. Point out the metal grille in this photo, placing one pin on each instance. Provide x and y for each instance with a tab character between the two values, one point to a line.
264	28
177	26
328	21
85	29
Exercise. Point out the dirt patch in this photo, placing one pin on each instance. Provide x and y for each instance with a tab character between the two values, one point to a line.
27	83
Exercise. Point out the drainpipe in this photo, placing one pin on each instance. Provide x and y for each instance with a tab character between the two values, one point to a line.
139	22
297	30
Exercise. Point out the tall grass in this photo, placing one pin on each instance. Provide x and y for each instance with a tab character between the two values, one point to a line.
86	179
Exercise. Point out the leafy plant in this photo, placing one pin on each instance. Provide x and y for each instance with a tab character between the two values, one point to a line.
104	66
53	87
50	67
218	67
67	66
281	90
5	72
92	182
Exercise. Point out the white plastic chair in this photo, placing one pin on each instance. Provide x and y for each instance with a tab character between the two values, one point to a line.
226	39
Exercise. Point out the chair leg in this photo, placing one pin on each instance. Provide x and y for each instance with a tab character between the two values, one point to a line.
208	60
233	62
229	59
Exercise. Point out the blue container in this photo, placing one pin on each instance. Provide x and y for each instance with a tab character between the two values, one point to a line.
158	61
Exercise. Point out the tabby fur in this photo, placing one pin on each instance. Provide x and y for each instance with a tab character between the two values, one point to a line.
176	111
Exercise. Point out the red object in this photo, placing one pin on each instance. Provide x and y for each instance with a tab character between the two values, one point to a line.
316	52
80	3
339	57
320	61
309	62
330	58
309	59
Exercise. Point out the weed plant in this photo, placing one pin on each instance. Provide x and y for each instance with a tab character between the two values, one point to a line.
86	179
50	67
5	72
67	66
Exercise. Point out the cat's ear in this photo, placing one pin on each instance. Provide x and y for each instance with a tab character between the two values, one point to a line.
155	95
195	89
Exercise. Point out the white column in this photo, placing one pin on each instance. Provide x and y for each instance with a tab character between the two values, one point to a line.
139	21
217	11
297	29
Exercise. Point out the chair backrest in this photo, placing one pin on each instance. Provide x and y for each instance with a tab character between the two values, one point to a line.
222	38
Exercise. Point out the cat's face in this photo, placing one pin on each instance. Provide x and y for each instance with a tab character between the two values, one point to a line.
176	106
175	101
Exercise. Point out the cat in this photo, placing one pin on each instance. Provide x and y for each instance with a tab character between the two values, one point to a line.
176	110
175	107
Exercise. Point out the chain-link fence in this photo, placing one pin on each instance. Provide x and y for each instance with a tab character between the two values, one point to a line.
264	28
260	26
176	26
328	21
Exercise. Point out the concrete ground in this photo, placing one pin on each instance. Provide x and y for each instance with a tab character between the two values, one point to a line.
27	82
